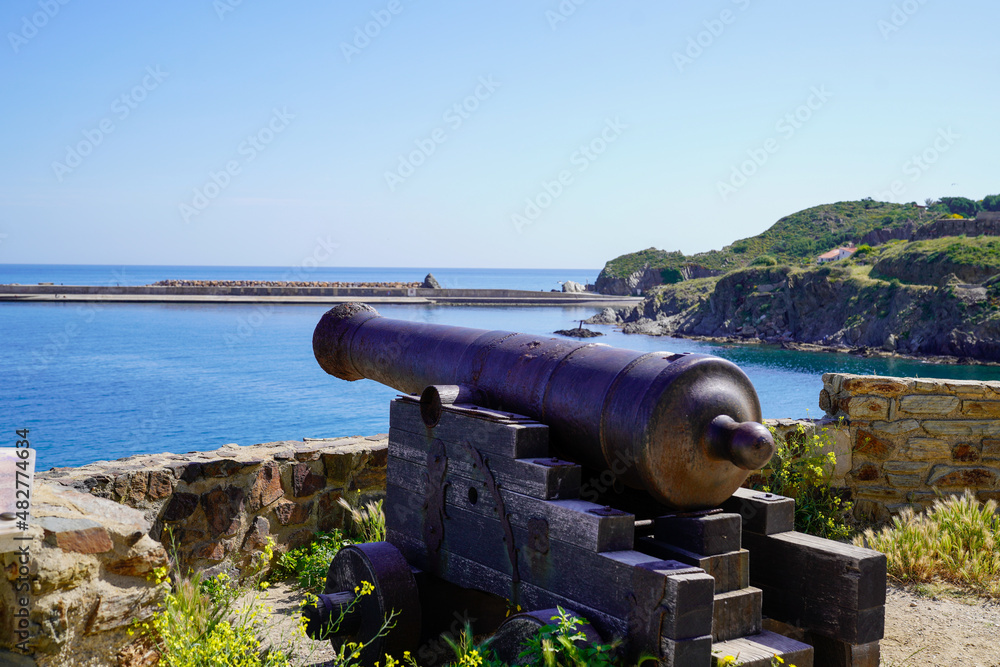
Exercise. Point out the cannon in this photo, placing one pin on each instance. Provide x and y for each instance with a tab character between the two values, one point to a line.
686	426
489	448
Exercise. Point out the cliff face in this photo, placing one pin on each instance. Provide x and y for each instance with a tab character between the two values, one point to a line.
646	278
631	285
840	307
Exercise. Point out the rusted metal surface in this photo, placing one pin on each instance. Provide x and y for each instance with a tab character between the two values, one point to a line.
685	428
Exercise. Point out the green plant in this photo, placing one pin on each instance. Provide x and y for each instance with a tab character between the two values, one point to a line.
801	469
201	624
956	541
468	653
562	644
309	564
368	522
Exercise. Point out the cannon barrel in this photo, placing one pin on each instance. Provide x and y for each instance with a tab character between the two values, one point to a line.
685	428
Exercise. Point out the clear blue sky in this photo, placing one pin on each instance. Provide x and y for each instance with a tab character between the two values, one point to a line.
355	139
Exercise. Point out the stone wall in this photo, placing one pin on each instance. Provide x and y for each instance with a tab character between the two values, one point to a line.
99	530
913	439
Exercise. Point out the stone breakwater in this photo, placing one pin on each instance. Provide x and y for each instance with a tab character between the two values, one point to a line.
281	283
98	531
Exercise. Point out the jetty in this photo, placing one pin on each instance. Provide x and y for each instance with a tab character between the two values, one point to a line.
298	294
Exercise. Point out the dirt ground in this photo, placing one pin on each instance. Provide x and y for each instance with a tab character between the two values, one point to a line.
920	630
942	631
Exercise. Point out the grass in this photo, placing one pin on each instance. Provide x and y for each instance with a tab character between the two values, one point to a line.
955	541
972	259
201	624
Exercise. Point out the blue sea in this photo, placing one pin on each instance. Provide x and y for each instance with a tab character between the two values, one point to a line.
104	381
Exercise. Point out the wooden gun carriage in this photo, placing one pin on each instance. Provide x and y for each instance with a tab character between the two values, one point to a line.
528	473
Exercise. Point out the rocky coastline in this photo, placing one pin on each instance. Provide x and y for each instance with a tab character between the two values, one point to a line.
830	309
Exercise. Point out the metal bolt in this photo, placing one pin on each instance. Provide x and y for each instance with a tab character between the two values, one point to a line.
8	516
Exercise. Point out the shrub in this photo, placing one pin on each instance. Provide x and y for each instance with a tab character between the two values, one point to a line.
309	564
991	203
201	624
962	206
956	541
801	469
764	260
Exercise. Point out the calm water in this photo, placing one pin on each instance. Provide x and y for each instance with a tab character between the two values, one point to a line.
103	381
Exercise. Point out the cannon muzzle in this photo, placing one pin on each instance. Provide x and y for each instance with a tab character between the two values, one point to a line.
683	427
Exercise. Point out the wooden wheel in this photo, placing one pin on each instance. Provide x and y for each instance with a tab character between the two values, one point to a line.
365	584
512	634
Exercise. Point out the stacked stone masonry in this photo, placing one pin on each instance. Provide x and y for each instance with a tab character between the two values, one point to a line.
914	439
99	530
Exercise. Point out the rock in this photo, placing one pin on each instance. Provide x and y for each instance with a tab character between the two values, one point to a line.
867	444
214	551
256	537
954	476
220	468
290	513
224	508
180	506
965	452
160	485
430	282
573	286
928	404
889	345
926	449
57	570
84	536
140	560
868	408
305	482
866	472
266	487
330	513
578	332
981	408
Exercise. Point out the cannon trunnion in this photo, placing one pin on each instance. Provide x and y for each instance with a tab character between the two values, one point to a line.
493	454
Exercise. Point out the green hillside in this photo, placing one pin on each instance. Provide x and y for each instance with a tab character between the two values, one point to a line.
794	239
